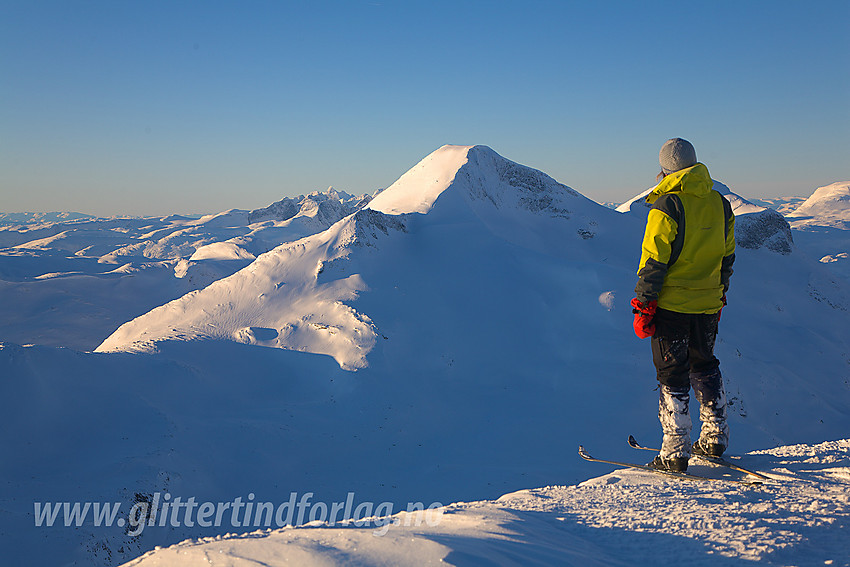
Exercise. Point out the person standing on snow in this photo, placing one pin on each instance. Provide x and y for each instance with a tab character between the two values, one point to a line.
685	266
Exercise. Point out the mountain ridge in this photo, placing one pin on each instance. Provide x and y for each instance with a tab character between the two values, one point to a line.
462	184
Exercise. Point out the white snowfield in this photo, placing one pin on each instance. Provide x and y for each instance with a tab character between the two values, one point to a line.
104	272
828	206
453	341
627	517
822	223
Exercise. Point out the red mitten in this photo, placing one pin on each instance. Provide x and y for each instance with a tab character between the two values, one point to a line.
723	299
644	318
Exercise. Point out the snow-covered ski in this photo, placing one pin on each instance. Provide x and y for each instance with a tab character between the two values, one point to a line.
680	475
719	461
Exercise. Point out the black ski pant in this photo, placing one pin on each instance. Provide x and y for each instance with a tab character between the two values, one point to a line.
683	349
683	353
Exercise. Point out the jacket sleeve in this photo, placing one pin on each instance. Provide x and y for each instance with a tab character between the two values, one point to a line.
661	230
729	257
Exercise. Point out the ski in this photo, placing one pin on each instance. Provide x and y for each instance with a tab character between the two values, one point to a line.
713	460
680	475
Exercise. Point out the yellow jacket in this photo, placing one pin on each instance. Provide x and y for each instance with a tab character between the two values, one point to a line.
689	244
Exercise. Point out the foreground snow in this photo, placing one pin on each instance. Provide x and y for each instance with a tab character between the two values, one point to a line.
623	518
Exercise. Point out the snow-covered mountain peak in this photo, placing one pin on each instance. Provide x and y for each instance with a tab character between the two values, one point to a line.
332	194
480	174
299	295
326	207
23	219
418	189
516	203
827	206
506	183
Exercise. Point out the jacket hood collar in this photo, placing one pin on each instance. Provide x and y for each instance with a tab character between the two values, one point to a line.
694	180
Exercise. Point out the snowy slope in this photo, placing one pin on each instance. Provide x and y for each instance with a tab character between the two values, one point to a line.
299	296
71	283
822	225
276	301
827	206
622	518
488	318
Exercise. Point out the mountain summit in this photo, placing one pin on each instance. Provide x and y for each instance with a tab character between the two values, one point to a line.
302	295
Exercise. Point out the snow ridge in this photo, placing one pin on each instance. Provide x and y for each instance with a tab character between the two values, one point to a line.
279	301
289	298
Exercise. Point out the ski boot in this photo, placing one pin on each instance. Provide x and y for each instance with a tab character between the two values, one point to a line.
673	464
707	449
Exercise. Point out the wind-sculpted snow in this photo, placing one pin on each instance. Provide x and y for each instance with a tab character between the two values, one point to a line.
418	189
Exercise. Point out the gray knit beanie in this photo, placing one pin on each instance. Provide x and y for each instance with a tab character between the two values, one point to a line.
676	154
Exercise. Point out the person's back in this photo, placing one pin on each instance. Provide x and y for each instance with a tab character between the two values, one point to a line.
686	262
690	230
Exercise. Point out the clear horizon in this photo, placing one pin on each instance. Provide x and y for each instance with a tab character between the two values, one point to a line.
198	213
140	109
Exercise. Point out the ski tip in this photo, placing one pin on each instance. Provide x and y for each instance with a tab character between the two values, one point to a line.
583	453
632	441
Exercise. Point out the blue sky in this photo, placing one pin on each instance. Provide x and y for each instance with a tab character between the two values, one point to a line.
119	107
